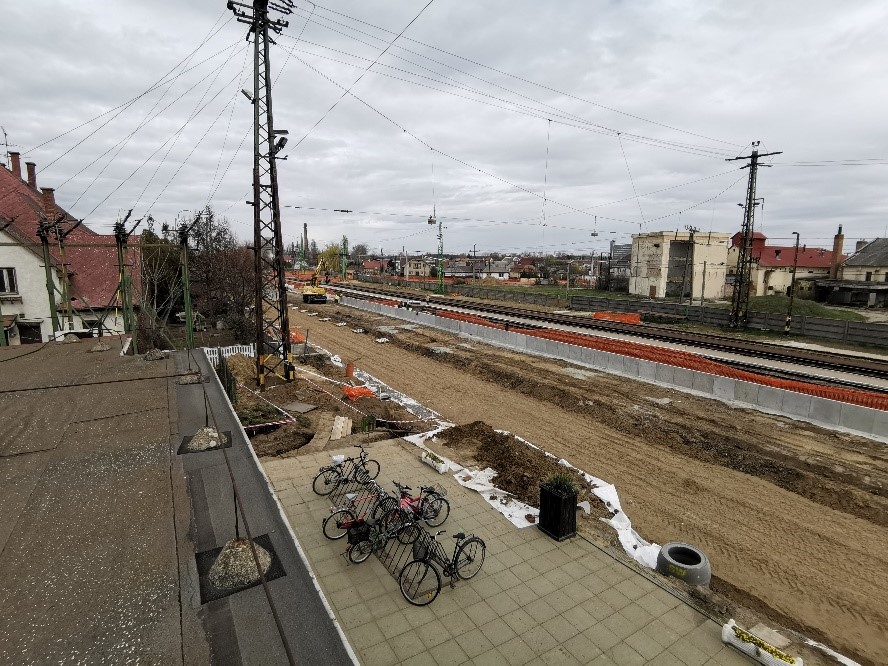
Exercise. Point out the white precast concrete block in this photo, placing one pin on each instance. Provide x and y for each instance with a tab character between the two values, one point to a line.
880	424
683	377
665	373
573	353
614	362
723	387
771	398
630	366
796	404
703	382
538	345
825	411
647	369
860	418
746	392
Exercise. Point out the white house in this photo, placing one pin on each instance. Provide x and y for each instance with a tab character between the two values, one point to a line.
672	263
88	276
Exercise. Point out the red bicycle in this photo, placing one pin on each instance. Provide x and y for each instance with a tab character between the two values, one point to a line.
430	505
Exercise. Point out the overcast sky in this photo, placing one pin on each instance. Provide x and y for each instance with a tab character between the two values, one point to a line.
492	87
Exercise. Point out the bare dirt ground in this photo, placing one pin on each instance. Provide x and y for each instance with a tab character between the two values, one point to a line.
793	517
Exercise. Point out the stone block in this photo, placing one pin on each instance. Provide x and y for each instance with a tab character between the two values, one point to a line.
797	404
703	382
723	387
859	418
746	392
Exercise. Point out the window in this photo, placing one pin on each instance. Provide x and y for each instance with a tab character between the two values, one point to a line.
869	276
8	284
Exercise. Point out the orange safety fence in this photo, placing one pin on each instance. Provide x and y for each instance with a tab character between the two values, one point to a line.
383	301
355	392
691	361
296	335
469	318
625	317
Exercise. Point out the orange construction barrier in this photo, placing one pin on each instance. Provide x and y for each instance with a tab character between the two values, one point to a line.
355	392
624	317
296	336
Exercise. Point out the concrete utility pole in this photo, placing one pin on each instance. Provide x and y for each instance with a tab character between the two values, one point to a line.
739	315
688	259
186	284
124	285
795	263
272	323
433	220
3	341
343	258
43	233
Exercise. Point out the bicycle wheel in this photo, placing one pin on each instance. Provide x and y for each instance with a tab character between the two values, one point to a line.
360	551
435	510
337	523
372	468
393	521
469	557
420	583
408	533
325	481
382	507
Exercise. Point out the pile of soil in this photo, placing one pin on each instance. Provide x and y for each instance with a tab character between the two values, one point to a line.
243	368
520	468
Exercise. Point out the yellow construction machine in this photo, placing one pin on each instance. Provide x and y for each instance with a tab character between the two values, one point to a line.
313	292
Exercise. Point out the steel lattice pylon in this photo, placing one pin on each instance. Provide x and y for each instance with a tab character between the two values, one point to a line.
272	325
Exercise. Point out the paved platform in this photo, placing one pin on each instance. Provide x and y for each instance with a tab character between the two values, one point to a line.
535	601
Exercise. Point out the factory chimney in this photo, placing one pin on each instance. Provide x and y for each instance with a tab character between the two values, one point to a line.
838	244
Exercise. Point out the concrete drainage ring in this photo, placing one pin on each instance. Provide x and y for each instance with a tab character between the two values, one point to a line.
683	561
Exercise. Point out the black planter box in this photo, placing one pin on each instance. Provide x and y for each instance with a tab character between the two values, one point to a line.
558	514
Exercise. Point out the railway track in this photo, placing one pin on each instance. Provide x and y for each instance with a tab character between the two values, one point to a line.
844	363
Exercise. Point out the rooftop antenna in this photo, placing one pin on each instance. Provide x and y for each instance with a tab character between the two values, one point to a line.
5	141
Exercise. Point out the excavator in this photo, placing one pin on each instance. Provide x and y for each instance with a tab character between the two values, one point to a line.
313	292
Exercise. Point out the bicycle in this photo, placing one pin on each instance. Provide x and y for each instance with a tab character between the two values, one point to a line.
348	470
365	539
336	525
420	581
430	505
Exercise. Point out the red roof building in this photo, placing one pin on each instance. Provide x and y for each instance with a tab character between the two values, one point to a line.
90	260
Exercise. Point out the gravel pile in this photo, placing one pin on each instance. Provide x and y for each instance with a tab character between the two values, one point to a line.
204	439
235	566
155	355
100	347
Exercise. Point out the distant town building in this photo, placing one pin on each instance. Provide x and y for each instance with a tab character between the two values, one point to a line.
418	268
772	267
862	279
672	264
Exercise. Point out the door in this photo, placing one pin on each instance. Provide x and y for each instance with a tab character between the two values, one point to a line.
652	291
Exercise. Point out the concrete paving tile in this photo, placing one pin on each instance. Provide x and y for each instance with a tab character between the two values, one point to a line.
518	620
728	656
558	557
490	658
614	599
658	630
638	616
497	631
486	586
707	637
419	616
474	643
575	570
432	634
582	648
465	594
372	590
354	616
507	580
682	619
481	613
457	623
597	608
393	624
560	629
688	653
516	652
558	578
559	601
421	659
538	563
524	571
577	592
603	637
541	586
407	645
449	654
666	659
540	611
379	655
626	656
654	604
579	618
509	558
502	603
522	594
559	656
383	606
620	626
444	604
538	639
644	645
632	588
367	635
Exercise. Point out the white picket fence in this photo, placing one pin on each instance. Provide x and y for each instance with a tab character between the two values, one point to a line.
213	352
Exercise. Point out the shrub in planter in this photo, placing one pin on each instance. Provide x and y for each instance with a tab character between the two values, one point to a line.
558	507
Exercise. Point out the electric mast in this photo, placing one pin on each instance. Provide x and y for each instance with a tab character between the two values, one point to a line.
272	325
740	298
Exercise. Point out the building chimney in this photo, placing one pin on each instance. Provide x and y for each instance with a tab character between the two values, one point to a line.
32	174
16	165
860	245
49	204
838	244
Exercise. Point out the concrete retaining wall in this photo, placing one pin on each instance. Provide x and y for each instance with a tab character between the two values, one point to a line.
872	423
